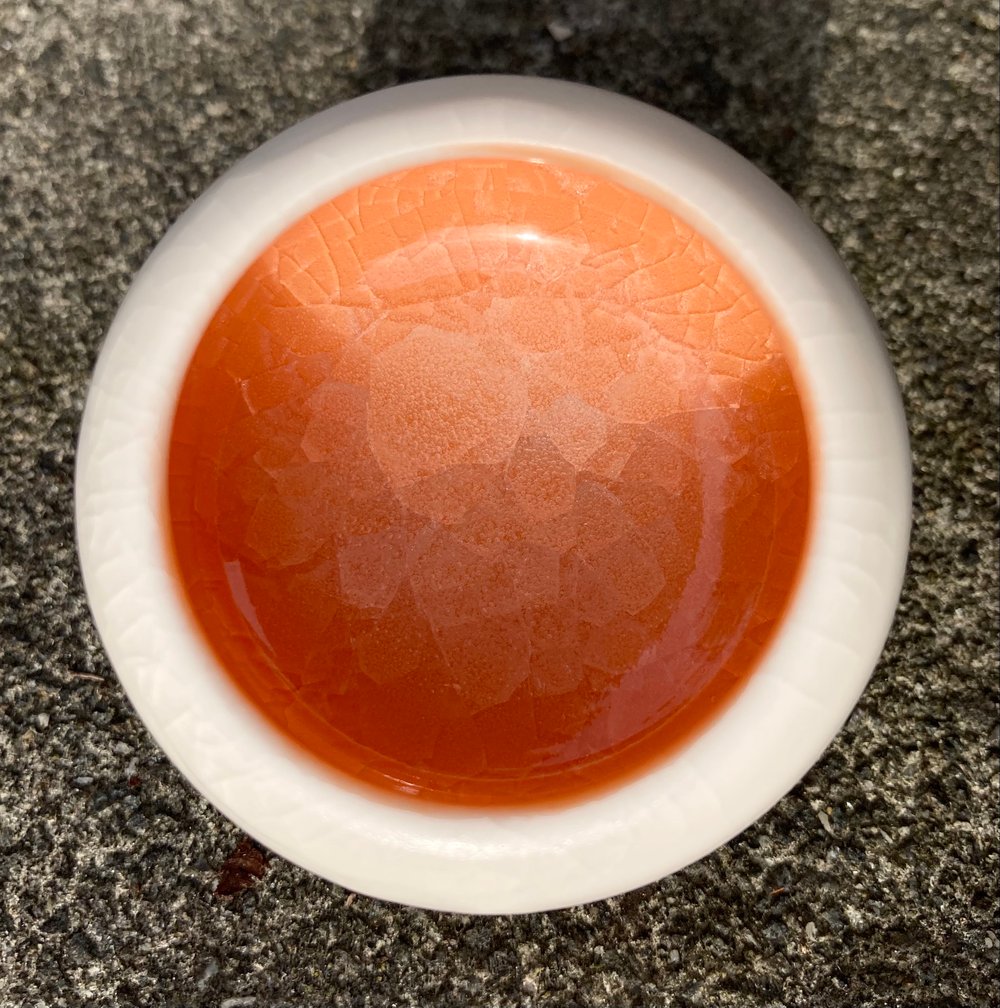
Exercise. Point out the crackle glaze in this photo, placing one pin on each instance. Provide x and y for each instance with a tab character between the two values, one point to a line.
677	810
489	481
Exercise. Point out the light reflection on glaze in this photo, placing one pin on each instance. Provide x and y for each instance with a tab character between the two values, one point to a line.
489	482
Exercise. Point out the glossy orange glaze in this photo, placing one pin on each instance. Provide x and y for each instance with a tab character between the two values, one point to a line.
489	482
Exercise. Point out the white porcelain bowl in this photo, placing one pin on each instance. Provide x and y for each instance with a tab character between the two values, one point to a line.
731	773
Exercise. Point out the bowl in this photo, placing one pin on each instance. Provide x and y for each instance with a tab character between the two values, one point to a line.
683	806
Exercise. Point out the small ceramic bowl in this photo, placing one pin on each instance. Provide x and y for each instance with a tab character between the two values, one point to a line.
736	768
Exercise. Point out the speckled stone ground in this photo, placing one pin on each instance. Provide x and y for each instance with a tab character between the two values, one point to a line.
874	882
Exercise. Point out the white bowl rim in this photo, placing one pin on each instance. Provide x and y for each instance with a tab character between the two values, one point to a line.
488	861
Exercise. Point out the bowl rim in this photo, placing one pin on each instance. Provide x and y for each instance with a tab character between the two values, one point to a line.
485	860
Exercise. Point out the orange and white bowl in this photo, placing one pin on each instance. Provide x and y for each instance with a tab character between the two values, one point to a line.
640	826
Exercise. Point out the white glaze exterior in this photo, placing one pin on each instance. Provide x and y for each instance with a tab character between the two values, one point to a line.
475	861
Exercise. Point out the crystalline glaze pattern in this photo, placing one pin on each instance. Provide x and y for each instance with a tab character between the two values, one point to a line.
489	482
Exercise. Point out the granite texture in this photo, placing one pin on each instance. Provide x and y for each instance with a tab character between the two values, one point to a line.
873	883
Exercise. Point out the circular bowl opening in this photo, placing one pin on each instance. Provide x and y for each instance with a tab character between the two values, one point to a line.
510	410
489	482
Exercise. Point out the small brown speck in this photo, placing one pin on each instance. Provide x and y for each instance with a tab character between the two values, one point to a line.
242	869
134	781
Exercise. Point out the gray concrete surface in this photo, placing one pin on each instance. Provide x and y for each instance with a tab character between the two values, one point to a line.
874	882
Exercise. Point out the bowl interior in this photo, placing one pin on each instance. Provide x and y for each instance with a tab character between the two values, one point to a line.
489	482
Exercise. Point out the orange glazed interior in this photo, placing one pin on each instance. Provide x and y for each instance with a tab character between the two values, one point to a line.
489	482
